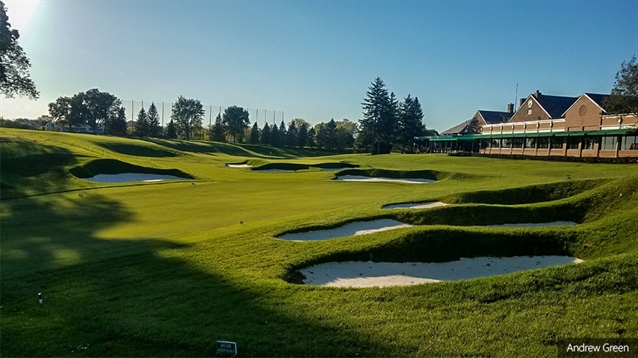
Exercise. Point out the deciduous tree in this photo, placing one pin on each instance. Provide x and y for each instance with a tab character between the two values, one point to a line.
624	95
14	63
188	115
236	119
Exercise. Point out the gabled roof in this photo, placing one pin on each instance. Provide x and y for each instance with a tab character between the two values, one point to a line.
555	106
458	129
493	117
594	97
597	98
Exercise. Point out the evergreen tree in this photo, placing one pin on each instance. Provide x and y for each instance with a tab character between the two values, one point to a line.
254	134
217	132
292	135
283	134
327	135
154	127
409	123
171	131
322	135
302	136
118	124
311	137
265	135
141	124
379	114
275	136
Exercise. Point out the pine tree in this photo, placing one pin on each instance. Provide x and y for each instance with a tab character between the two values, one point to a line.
291	136
379	114
171	131
283	134
275	136
302	136
154	128
141	125
217	131
118	125
254	134
409	124
311	137
264	139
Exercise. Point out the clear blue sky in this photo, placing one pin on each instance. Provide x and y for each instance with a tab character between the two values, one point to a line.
316	59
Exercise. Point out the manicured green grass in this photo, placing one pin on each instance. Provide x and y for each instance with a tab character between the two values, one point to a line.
166	269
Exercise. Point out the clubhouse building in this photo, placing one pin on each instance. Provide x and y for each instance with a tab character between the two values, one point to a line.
544	126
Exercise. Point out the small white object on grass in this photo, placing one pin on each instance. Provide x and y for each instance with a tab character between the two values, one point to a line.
40	298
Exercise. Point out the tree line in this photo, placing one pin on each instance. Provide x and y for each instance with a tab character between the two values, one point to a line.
95	108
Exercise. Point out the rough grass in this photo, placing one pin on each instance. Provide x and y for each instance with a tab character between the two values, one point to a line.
168	269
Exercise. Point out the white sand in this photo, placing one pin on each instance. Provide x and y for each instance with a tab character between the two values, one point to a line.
131	177
350	229
238	165
381	179
424	205
553	223
382	274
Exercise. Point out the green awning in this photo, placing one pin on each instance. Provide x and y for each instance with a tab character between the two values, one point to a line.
525	135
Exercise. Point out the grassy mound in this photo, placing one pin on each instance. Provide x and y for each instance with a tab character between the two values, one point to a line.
525	195
397	174
281	166
112	166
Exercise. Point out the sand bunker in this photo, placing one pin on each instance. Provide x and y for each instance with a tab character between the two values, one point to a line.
380	179
350	229
424	205
382	274
238	165
131	177
553	223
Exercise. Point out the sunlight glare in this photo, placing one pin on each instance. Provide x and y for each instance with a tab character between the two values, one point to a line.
21	12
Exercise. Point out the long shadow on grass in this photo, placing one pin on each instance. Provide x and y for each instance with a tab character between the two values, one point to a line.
137	297
30	167
240	150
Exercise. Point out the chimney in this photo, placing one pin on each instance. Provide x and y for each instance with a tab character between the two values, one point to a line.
522	101
510	108
537	94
